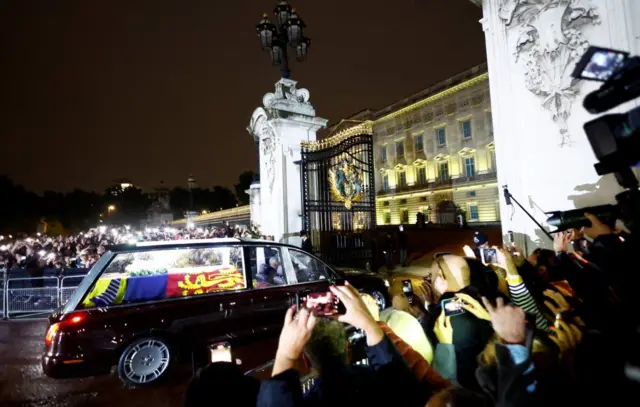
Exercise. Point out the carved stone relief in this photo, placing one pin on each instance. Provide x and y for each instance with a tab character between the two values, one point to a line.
549	43
477	99
288	97
269	146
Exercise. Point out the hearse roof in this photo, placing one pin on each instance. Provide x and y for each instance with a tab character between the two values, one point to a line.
191	242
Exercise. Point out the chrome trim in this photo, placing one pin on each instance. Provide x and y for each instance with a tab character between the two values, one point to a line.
87	282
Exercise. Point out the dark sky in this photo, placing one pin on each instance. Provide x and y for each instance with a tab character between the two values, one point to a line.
152	90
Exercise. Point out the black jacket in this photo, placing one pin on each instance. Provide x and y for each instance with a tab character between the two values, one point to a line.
306	246
387	381
470	336
510	382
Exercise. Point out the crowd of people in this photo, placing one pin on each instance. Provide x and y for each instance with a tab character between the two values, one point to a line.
555	328
82	250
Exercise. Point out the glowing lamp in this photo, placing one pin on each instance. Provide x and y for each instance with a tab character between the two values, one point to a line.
277	54
267	32
294	27
302	49
282	12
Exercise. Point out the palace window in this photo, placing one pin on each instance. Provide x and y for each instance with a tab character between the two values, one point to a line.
419	143
383	153
466	129
404	215
473	212
422	175
385	182
387	217
402	179
444	170
400	149
469	166
441	136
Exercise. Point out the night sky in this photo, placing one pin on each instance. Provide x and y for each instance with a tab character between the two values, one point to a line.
92	91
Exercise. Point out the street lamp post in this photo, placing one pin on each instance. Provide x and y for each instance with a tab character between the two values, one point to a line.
191	183
287	32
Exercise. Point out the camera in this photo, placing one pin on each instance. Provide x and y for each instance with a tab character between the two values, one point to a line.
614	138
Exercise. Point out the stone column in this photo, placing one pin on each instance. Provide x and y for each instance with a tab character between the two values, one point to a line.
286	120
255	206
542	152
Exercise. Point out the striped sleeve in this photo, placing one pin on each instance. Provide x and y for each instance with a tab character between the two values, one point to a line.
521	297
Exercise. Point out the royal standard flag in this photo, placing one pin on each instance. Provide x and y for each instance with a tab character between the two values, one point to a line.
204	282
107	291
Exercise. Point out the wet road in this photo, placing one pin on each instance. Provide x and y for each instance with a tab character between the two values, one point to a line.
22	382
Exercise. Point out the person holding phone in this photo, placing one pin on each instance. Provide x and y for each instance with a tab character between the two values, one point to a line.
324	342
452	277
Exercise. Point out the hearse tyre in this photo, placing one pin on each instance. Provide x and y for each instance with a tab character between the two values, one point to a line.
146	361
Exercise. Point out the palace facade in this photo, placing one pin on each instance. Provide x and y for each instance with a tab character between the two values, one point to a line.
434	153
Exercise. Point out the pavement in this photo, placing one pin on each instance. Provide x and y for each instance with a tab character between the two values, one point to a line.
23	384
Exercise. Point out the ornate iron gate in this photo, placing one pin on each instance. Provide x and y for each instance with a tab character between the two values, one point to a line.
339	196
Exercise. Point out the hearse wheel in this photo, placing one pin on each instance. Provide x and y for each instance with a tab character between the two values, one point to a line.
380	299
145	361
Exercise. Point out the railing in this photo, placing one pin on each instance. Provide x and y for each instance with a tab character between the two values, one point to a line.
439	183
238	214
36	293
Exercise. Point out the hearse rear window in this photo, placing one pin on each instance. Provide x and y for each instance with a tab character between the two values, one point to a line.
159	274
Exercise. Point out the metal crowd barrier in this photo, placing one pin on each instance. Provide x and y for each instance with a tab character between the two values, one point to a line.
25	296
2	296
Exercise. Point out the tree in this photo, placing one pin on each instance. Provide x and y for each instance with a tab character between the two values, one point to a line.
222	198
244	183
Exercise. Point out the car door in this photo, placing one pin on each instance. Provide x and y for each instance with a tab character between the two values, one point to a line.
308	274
271	293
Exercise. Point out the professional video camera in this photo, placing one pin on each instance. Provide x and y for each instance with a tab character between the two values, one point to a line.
614	138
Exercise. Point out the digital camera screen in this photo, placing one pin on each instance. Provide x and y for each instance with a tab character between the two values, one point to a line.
489	256
452	307
603	64
324	303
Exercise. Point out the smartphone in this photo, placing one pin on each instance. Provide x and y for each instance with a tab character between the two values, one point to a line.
452	307
220	352
512	240
488	256
407	289
323	303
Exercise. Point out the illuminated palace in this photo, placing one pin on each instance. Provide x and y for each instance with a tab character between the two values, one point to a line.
434	153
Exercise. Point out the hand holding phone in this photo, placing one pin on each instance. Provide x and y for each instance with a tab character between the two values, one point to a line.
407	289
323	303
488	256
453	307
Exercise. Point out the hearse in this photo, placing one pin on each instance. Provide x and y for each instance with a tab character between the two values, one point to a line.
145	308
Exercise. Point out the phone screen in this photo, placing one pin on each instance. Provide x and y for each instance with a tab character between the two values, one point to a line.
323	303
452	307
220	353
407	289
488	256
